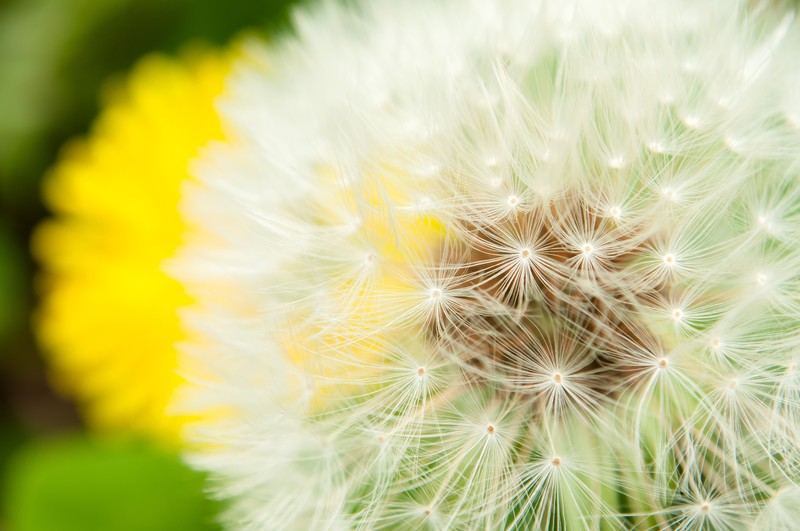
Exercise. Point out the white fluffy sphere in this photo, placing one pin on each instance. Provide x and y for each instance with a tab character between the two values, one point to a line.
515	264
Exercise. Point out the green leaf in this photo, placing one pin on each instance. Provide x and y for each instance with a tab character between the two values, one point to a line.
77	484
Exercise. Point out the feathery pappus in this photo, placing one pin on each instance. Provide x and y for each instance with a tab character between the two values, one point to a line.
503	265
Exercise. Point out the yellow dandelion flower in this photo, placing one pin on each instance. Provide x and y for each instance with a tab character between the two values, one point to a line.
108	321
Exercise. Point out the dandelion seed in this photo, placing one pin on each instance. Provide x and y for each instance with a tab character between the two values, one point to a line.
692	121
690	65
616	162
670	194
736	145
431	171
766	223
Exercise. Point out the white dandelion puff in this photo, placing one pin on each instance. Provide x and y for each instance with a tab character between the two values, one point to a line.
502	265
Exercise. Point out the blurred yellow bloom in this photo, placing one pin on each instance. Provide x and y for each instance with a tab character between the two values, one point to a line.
108	320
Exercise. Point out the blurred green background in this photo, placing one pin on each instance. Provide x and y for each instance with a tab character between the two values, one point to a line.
55	57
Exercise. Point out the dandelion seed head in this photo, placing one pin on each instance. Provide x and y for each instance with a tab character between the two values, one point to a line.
559	236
